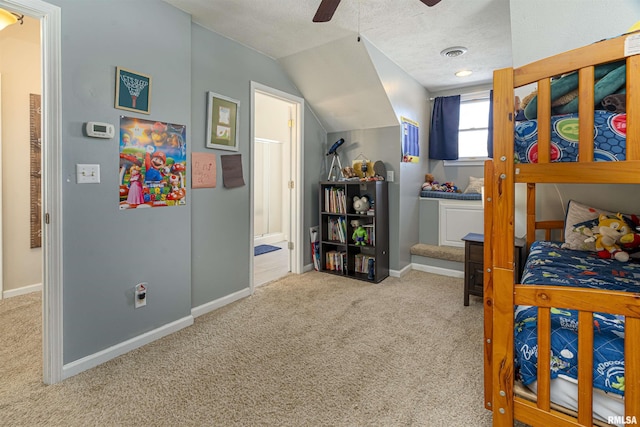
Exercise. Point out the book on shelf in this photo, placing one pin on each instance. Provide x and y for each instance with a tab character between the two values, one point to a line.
362	263
337	229
336	261
335	200
371	234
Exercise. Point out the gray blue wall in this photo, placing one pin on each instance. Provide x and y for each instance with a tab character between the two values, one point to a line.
220	217
189	255
108	251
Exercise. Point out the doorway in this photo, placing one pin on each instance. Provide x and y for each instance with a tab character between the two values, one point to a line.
276	177
49	17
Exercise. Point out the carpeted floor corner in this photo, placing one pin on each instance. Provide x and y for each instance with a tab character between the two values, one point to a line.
308	350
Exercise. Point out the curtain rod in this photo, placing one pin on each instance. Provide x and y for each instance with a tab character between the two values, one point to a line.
478	95
483	98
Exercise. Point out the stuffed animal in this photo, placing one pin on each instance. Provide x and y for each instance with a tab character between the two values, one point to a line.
360	204
431	185
616	103
631	242
610	229
360	234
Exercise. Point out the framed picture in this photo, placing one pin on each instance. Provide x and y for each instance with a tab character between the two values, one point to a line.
222	122
133	91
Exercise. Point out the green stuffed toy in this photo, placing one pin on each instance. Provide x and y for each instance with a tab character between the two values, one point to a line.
360	234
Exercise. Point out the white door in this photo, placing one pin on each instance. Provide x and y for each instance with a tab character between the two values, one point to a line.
276	176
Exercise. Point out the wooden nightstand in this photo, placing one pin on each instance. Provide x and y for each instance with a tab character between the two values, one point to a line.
474	259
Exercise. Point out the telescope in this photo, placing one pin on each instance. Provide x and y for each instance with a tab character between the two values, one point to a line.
335	146
333	175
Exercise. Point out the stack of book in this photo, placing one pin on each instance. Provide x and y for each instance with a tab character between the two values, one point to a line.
362	263
335	200
336	261
337	229
371	234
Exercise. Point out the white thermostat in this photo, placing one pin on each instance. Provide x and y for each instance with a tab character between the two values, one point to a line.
100	130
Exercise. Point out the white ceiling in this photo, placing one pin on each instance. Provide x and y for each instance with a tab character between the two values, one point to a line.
411	34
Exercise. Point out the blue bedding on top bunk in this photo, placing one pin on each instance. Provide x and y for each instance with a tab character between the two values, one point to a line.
549	264
609	130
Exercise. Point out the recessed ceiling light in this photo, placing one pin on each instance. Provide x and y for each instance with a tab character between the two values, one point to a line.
452	52
464	73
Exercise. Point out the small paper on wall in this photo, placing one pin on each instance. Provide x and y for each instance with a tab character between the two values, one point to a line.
203	170
232	170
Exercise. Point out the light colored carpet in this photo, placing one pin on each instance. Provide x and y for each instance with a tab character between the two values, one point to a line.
307	350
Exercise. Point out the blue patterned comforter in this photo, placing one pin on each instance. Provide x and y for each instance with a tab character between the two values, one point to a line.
549	264
609	138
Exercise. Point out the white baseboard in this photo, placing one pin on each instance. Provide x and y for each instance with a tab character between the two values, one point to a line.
438	270
308	267
93	360
22	291
400	273
220	302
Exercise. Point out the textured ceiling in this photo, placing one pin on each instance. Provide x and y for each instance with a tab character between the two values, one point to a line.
409	33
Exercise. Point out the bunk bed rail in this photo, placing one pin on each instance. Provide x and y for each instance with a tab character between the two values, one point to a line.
586	302
585	170
501	290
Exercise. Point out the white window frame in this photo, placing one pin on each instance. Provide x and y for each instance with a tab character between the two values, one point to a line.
470	161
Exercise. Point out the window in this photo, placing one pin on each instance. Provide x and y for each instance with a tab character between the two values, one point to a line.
473	130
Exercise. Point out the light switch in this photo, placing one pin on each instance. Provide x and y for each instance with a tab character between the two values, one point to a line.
88	174
390	176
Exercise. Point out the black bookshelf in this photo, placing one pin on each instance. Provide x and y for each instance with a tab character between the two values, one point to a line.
339	253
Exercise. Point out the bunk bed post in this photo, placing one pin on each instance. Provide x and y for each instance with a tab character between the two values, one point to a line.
632	368
502	238
488	281
633	107
531	214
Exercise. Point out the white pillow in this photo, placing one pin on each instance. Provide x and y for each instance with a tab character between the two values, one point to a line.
578	216
475	185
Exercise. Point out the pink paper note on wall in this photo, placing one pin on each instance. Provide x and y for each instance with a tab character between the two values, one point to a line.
203	170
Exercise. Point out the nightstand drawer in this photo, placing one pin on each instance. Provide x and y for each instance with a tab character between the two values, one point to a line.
476	252
474	263
475	279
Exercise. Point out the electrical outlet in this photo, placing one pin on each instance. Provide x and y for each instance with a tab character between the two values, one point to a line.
140	295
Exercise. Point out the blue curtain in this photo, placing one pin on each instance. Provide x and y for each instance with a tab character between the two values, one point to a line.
445	121
490	129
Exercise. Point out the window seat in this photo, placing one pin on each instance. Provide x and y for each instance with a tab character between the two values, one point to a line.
454	196
447	253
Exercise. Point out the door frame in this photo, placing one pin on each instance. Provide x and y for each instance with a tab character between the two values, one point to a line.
52	248
1	226
297	219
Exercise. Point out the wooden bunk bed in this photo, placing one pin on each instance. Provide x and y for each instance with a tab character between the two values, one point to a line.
501	294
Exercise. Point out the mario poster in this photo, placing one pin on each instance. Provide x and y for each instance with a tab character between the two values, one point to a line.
153	163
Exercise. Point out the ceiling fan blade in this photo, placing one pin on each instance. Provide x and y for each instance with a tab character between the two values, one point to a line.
326	10
430	2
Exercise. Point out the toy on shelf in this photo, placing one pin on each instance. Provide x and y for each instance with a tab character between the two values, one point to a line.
360	234
361	204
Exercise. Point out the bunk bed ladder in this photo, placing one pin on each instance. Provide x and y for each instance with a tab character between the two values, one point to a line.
488	282
501	235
